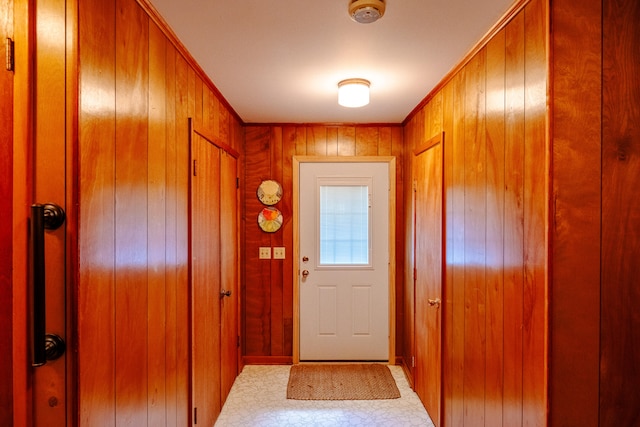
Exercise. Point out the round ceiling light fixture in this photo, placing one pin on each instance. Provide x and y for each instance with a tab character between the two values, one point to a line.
366	11
353	93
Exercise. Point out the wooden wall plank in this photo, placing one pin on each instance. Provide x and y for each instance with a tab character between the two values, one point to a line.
131	234
276	239
447	291
408	299
156	214
367	141
347	141
316	140
620	330
286	207
495	120
456	263
96	238
171	284
536	184
397	148
182	232
332	141
475	214
514	222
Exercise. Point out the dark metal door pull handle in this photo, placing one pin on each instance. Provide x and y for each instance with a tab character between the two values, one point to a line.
43	346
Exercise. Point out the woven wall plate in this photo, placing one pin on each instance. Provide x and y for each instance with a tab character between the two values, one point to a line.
269	192
270	219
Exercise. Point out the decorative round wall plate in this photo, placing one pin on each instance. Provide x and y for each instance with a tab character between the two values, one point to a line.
269	192
270	219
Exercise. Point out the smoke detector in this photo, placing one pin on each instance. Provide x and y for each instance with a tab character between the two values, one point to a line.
366	11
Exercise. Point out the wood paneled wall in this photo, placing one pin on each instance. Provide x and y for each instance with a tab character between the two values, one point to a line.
137	91
595	327
267	313
493	115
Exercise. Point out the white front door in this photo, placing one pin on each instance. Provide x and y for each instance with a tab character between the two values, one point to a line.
344	261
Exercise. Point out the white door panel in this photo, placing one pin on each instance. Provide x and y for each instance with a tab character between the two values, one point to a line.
344	299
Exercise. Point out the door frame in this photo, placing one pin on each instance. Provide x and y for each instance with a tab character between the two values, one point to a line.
391	161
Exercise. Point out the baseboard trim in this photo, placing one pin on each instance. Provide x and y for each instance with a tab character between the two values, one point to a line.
267	360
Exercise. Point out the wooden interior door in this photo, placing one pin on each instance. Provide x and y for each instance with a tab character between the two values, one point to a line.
53	103
6	226
428	250
205	280
229	271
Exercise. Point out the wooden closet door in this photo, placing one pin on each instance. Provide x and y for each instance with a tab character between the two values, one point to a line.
428	250
205	280
229	271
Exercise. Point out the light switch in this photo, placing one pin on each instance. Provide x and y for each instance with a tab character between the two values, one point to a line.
278	253
265	252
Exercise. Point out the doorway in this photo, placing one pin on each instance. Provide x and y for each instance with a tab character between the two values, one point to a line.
344	260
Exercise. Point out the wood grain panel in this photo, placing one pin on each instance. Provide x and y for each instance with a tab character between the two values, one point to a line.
96	239
447	300
367	141
182	232
131	345
456	263
397	148
347	141
620	324
286	206
475	214
495	122
156	214
172	370
536	183
276	240
316	140
514	221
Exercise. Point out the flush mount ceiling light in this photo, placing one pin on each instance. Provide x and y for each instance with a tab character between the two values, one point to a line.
366	11
353	92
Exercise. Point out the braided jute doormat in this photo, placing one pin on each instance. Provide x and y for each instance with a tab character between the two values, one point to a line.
349	381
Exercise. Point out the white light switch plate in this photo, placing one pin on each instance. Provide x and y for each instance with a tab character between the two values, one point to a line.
265	252
278	253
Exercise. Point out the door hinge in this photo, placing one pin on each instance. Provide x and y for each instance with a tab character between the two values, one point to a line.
195	167
195	415
238	343
9	52
237	182
413	361
415	274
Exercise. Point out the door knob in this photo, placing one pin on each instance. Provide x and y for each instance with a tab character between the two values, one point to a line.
224	293
305	273
434	302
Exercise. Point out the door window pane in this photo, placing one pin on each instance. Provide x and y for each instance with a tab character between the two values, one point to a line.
344	225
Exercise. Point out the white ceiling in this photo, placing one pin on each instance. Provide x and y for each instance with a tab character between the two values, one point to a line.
280	61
